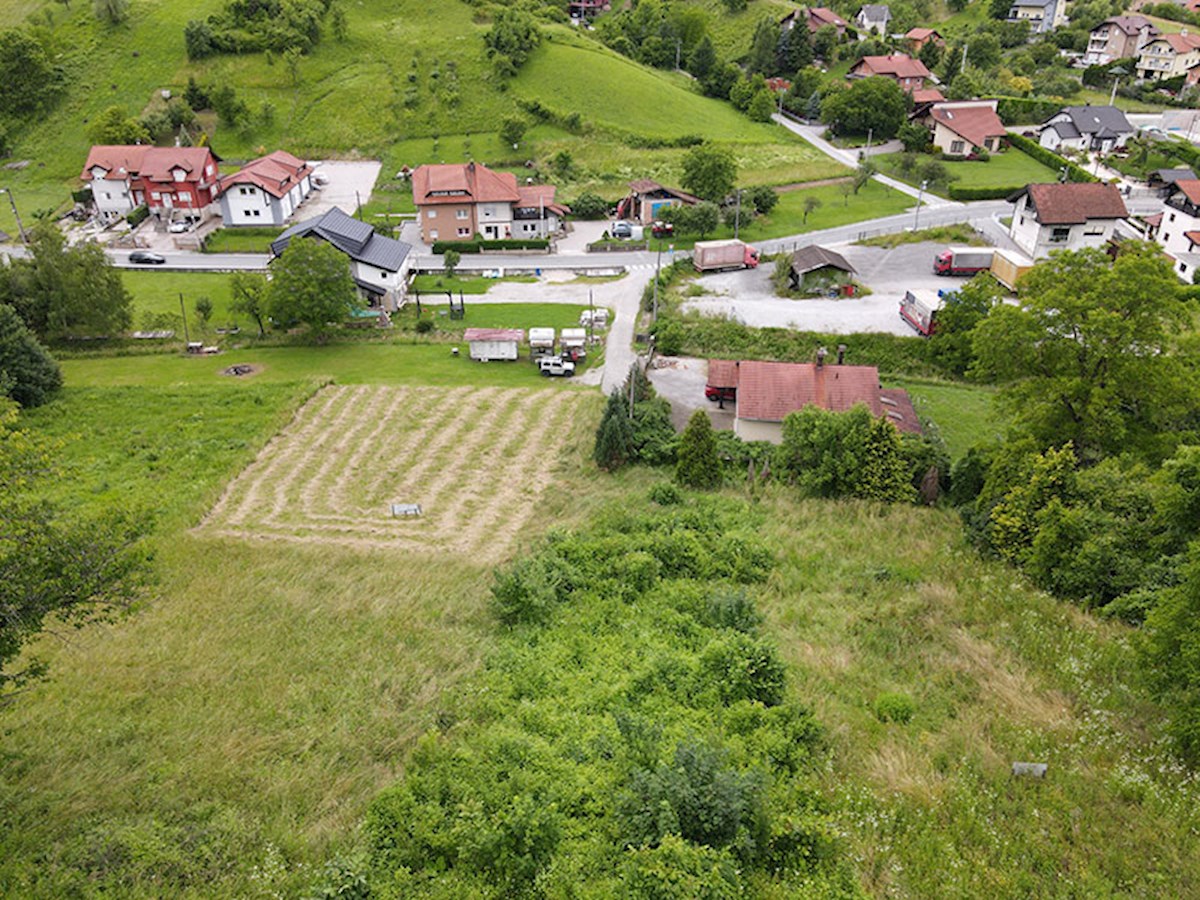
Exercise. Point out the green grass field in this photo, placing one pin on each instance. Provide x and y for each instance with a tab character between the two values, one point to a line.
241	240
428	284
1012	168
962	413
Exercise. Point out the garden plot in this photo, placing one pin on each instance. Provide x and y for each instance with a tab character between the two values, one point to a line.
475	460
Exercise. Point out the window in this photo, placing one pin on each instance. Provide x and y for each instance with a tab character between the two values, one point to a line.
431	213
154	195
257	213
383	274
1093	230
433	235
209	169
1060	235
460	214
487	212
1166	237
1183	268
464	232
179	174
185	197
956	146
243	191
1172	219
107	196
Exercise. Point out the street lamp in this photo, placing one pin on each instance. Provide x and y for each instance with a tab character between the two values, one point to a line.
13	203
917	211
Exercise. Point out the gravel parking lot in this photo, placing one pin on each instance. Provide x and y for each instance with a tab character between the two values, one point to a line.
349	183
747	296
681	380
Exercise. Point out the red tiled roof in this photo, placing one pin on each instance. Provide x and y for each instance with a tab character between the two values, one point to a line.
722	373
920	34
116	160
827	16
897	65
540	196
1190	188
898	407
1182	43
155	163
768	391
1193	236
493	334
462	183
276	173
1155	220
1074	204
927	95
975	123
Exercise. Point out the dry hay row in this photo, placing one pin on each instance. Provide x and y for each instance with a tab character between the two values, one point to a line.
300	457
412	486
252	475
531	475
422	450
354	540
344	443
412	404
482	504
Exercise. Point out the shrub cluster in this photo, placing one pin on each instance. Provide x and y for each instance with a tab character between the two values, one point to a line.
962	192
632	732
251	26
1047	158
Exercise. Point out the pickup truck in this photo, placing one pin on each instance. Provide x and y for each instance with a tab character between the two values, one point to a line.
556	365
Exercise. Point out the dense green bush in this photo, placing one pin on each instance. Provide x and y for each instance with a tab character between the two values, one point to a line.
137	215
28	373
961	192
898	708
481	246
1023	110
631	735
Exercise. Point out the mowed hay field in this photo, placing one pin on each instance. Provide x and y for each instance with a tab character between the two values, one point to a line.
475	460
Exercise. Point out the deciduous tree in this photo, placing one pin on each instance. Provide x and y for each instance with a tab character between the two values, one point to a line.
248	292
28	373
709	171
870	104
311	283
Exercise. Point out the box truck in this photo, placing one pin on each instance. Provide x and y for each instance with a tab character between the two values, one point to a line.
963	261
712	256
1008	266
920	308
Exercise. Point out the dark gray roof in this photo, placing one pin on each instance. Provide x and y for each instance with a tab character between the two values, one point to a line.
1102	121
1065	130
1170	176
810	258
356	239
874	12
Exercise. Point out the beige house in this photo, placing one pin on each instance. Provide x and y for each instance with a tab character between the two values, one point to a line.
464	201
1051	217
1168	55
961	127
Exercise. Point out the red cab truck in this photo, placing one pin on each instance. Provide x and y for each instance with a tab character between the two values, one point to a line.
963	261
712	256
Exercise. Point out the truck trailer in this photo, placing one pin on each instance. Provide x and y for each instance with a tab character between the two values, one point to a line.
713	256
963	261
920	308
1008	266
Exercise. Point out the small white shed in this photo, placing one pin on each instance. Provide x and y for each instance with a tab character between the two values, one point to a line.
573	343
493	343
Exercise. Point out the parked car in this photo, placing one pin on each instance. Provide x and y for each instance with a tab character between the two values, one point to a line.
146	258
662	229
556	365
713	394
179	227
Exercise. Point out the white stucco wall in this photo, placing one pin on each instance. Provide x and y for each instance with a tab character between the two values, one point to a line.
1038	241
113	197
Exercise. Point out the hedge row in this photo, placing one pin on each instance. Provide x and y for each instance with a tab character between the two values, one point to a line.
958	192
481	246
138	215
1022	110
1053	160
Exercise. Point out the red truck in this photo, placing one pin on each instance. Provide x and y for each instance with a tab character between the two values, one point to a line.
963	261
712	256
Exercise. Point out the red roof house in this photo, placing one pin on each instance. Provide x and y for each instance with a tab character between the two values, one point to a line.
265	191
164	178
768	391
1050	217
958	128
918	37
459	202
907	72
814	18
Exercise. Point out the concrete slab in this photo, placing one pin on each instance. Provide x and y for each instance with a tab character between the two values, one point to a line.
681	380
349	184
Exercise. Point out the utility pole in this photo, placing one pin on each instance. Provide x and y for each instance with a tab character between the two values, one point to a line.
963	64
183	312
870	134
13	203
737	216
657	267
917	211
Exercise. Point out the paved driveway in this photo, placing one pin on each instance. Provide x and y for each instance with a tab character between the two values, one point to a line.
681	380
349	184
748	296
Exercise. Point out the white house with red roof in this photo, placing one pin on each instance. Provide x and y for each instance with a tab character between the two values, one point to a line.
1052	217
265	191
960	127
1177	227
459	202
171	181
1168	55
907	72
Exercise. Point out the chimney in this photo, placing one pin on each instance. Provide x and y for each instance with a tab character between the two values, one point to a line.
821	353
841	353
